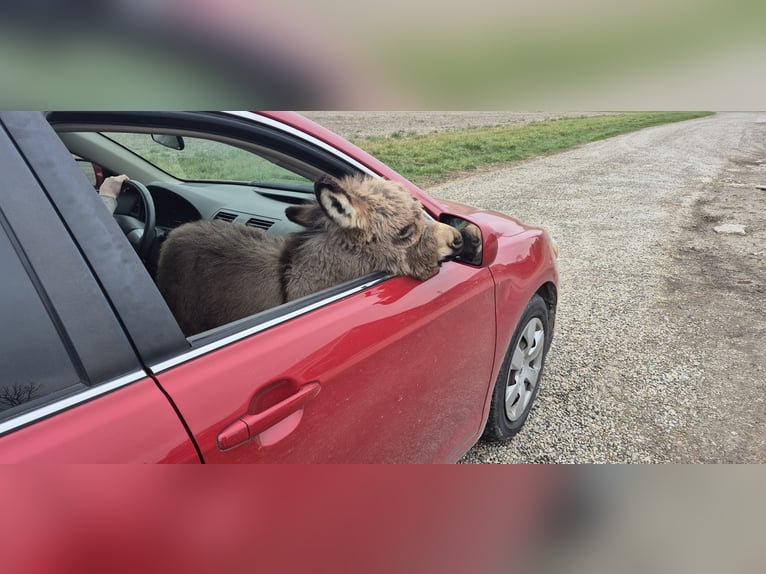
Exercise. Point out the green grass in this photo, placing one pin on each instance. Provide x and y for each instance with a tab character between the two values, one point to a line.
436	157
206	160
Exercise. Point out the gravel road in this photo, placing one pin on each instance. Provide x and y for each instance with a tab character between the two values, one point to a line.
659	351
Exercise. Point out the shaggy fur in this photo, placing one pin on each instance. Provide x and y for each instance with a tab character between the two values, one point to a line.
212	272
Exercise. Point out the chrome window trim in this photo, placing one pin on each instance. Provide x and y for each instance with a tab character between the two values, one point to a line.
71	401
162	366
250	116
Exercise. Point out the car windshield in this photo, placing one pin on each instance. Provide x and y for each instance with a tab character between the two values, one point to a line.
204	159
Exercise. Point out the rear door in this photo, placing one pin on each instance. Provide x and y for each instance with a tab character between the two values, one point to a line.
71	386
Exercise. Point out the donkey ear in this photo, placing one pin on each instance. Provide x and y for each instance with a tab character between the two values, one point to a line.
308	215
336	202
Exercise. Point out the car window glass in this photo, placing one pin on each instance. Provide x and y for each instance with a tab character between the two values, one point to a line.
203	159
87	169
35	367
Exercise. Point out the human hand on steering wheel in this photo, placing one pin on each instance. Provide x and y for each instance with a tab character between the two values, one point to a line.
140	231
110	189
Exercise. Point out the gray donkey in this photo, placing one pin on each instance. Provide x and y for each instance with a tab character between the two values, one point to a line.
212	272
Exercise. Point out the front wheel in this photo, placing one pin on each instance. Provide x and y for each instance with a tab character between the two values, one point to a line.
518	381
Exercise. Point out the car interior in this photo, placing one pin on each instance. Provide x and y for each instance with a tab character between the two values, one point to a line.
176	201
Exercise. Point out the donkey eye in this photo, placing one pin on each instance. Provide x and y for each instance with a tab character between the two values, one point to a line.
406	231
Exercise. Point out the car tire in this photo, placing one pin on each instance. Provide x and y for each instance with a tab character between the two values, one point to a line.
519	379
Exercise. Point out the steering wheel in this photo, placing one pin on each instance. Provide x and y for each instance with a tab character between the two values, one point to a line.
135	199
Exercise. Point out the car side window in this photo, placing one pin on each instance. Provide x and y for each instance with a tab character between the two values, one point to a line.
36	365
90	171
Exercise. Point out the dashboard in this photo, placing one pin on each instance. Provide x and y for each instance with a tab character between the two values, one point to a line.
253	205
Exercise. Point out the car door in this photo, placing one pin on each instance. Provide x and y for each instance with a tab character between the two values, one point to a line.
71	386
397	371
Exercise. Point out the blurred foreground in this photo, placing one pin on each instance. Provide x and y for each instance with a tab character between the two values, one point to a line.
423	519
550	55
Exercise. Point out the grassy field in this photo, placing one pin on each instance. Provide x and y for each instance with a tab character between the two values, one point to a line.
433	158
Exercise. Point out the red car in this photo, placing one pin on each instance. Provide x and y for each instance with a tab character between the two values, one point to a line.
382	368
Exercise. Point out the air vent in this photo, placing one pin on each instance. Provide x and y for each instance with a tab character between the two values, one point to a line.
225	216
259	223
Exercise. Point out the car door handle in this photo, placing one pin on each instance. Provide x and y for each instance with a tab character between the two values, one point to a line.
251	425
257	423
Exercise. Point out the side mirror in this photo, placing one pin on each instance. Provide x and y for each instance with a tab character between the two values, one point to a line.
173	142
472	240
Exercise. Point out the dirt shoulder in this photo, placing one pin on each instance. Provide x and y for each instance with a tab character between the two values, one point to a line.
717	293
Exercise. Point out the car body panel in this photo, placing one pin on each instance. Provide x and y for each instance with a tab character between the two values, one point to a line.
134	424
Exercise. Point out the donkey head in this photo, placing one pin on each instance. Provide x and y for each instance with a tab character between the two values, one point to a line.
380	221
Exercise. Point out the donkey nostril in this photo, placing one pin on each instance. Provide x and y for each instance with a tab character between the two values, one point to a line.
457	242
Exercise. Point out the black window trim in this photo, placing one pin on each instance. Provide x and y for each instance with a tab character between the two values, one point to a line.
242	125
